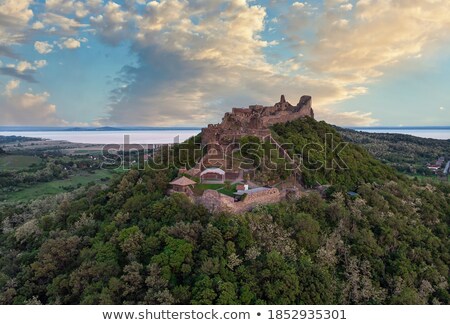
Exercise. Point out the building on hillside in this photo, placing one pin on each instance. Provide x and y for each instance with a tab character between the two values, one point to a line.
212	176
242	187
182	185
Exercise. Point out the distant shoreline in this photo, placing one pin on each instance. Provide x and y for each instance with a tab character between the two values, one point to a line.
184	128
399	128
170	135
90	129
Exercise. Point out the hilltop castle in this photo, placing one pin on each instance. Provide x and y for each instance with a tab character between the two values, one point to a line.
255	120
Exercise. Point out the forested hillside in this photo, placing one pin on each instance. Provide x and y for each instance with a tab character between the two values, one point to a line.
130	243
321	157
405	153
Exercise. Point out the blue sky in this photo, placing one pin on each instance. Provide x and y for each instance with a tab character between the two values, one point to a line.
179	62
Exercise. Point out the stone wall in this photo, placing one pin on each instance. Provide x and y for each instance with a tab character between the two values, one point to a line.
261	197
215	201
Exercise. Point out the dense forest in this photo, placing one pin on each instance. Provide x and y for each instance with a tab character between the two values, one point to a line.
129	243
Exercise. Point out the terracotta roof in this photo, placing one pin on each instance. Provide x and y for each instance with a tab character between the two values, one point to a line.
183	181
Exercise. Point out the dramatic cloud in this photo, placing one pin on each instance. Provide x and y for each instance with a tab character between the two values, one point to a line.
43	47
26	108
381	34
198	58
197	61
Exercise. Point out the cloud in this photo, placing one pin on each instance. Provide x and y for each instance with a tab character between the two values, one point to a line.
14	17
196	62
382	35
67	7
27	108
43	47
198	58
186	69
12	72
7	52
37	25
40	64
11	85
298	5
71	43
113	25
18	11
66	25
346	7
354	118
23	69
341	23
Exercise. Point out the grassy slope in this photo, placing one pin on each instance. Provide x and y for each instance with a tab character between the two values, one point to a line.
17	162
58	186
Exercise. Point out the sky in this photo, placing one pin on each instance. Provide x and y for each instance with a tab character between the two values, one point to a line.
185	63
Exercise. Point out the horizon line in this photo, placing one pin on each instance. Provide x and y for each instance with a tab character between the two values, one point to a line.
200	127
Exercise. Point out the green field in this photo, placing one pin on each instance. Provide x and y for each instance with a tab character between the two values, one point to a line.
59	186
13	162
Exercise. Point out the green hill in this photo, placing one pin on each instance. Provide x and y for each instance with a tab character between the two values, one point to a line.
131	244
328	158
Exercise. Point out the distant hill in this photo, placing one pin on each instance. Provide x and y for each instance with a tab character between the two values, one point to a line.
406	153
4	139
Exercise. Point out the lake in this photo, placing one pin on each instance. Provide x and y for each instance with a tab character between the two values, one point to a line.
110	137
161	136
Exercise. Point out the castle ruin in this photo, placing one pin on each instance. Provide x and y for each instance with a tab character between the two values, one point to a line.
255	120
